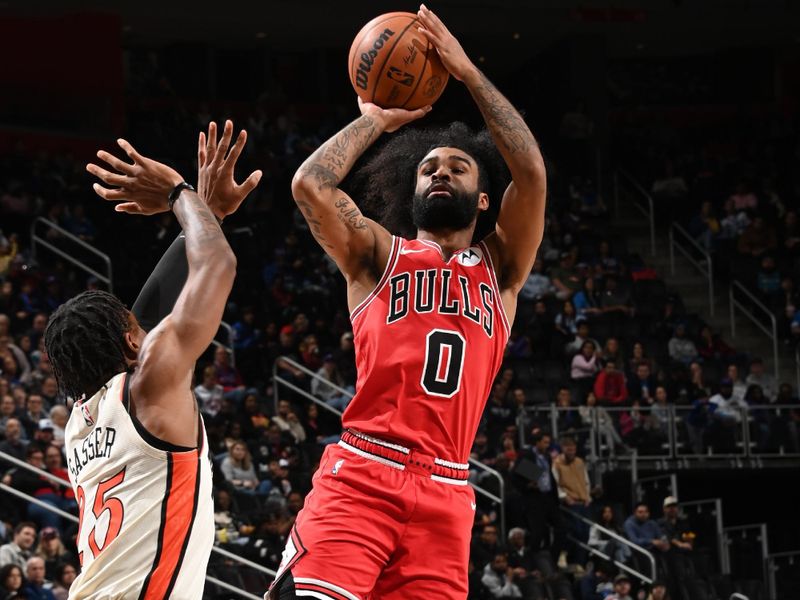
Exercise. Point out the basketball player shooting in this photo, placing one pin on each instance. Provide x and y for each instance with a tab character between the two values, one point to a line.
135	443
390	513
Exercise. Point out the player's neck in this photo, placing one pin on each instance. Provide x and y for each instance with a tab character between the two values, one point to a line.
449	241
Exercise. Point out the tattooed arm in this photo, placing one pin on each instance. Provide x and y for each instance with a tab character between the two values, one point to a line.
359	245
520	223
160	385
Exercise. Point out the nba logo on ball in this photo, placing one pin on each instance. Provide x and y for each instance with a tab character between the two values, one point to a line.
470	257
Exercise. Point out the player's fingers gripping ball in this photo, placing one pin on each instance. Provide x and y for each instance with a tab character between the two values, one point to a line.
393	65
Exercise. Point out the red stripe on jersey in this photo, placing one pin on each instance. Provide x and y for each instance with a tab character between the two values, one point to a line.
177	516
393	255
496	286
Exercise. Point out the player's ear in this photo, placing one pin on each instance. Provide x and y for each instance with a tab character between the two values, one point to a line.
483	201
132	345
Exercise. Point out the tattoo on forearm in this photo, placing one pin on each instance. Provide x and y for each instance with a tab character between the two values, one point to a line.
349	214
198	222
502	118
331	162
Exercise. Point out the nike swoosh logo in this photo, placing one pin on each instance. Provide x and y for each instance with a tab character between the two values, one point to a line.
411	251
473	505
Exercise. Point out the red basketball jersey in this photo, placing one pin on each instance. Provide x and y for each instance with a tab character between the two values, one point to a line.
429	341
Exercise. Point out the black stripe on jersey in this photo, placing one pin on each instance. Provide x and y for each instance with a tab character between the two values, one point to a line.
148	437
188	531
126	393
160	547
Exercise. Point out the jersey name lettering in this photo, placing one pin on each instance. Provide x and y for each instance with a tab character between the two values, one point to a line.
98	444
430	290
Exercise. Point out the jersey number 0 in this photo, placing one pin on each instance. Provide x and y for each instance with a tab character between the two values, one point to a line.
444	363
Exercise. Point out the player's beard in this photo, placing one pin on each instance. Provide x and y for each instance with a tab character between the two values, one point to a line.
454	212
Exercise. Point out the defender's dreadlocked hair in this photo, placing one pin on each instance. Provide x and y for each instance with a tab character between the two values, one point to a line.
384	184
85	340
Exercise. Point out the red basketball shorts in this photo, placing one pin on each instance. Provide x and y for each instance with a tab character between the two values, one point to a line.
381	523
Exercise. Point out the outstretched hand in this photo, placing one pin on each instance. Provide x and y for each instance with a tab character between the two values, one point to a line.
143	187
392	119
454	59
215	182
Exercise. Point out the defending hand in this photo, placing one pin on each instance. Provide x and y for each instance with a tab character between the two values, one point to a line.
215	182
144	186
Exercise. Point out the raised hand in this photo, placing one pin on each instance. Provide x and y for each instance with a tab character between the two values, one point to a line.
215	182
391	119
450	51
143	188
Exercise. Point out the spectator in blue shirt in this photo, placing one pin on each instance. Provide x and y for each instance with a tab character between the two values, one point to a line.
644	531
37	587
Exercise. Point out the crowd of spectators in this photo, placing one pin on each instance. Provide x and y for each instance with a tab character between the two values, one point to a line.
596	335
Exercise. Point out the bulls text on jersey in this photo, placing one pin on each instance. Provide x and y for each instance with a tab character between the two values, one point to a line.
429	290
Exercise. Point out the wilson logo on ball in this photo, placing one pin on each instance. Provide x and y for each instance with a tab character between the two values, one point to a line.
368	58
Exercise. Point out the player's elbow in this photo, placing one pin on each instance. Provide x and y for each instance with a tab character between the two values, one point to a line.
221	266
531	169
302	186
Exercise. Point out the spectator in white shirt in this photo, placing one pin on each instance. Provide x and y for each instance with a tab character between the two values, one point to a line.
537	285
760	378
498	577
584	363
728	405
681	348
209	393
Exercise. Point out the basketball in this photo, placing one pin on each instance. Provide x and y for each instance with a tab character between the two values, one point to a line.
393	65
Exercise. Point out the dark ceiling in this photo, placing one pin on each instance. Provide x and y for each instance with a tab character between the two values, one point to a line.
515	29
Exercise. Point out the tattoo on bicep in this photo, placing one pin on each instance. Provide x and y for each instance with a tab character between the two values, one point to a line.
349	214
502	118
314	224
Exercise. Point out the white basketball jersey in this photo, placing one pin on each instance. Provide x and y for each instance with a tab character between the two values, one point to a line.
146	508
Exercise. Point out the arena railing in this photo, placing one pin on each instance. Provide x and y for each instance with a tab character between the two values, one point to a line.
761	539
797	368
70	517
737	288
754	433
685	247
36	239
647	208
278	380
228	344
715	506
638	485
773	566
623	540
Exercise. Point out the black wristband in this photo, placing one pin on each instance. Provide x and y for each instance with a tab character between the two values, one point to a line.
173	196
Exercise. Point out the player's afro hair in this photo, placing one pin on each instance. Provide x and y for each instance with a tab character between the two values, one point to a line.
383	185
85	340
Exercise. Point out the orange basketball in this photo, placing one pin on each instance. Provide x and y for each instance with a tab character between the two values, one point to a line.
393	65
